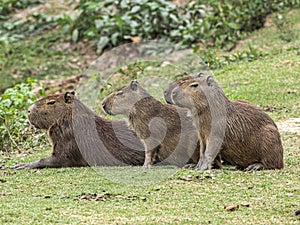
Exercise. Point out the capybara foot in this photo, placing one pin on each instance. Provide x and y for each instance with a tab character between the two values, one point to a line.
189	165
203	164
146	166
22	166
255	166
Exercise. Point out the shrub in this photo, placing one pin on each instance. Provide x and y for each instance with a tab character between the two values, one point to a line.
9	6
220	23
14	123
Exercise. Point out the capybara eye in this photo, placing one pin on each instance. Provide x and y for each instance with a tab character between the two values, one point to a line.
51	102
194	85
119	93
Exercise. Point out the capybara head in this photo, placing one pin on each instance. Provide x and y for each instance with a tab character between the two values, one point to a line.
168	90
48	110
123	99
193	93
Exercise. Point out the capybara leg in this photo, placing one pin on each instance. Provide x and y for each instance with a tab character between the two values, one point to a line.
255	166
217	163
41	163
203	164
149	157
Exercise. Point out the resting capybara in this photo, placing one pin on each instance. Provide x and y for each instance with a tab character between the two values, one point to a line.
166	131
242	133
81	138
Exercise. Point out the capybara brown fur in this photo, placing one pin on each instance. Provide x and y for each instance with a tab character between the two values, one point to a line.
242	133
81	138
166	131
168	90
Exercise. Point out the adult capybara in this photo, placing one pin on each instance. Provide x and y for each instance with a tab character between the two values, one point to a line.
242	133
81	138
166	131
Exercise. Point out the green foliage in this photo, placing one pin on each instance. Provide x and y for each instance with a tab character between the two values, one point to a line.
9	6
14	103
17	30
214	61
220	23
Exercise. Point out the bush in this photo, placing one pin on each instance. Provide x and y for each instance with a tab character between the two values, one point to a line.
9	6
14	123
220	23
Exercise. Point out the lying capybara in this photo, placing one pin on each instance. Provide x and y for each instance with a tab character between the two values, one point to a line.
81	138
242	133
166	131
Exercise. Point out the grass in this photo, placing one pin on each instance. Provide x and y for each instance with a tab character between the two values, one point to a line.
53	196
168	195
39	57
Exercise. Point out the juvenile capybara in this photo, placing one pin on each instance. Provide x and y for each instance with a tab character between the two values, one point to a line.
241	133
81	138
166	131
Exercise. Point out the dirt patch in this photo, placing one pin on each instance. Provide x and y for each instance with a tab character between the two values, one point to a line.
289	126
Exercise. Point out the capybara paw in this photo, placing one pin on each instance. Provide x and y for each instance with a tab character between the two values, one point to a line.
203	164
189	165
146	166
22	166
255	166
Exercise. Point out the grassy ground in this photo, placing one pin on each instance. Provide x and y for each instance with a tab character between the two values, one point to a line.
169	195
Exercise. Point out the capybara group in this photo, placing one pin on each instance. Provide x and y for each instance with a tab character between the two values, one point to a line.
166	131
81	138
240	132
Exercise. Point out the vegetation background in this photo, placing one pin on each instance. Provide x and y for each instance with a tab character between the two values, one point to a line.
251	47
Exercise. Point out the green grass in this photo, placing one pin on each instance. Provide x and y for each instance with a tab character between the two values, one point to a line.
52	196
175	196
40	57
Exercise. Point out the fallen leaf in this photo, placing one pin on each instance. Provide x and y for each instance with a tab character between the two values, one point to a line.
136	39
245	204
186	178
296	213
231	207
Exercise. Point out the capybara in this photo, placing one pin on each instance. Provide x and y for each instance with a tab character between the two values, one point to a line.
241	133
81	138
166	131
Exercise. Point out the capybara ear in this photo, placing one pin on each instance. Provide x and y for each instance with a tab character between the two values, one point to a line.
210	80
134	85
69	96
200	74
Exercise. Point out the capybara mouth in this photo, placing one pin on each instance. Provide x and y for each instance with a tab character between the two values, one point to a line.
31	121
106	111
169	102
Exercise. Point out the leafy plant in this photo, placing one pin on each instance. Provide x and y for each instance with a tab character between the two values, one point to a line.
14	103
9	6
17	30
220	23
